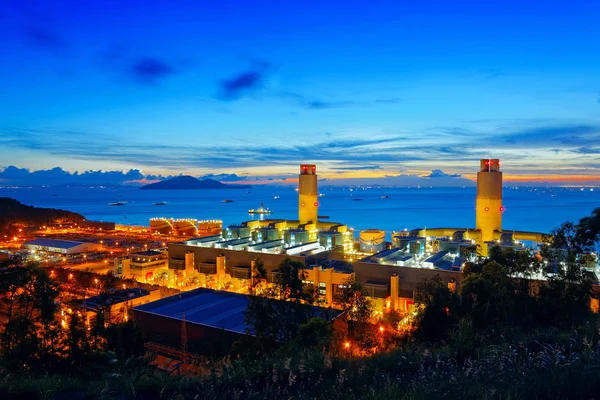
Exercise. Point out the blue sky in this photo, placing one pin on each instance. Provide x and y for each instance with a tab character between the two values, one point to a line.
365	89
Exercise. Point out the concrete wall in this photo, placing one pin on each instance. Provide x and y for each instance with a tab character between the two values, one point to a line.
408	277
233	257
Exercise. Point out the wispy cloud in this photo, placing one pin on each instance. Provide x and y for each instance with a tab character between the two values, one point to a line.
243	83
558	148
151	69
358	168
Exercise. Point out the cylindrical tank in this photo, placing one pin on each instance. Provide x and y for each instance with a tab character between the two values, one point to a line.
185	227
210	227
164	226
308	197
372	240
489	208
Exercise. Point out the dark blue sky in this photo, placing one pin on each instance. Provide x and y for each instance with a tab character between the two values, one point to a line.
365	89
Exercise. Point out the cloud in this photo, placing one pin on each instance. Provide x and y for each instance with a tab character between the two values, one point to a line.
243	83
151	69
312	103
539	149
393	100
438	173
58	176
358	168
225	177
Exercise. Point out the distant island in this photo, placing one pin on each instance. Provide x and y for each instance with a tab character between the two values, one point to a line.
187	182
14	212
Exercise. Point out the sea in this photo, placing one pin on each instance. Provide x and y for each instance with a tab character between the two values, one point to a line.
389	209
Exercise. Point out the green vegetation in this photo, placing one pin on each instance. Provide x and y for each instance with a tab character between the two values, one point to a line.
14	212
506	334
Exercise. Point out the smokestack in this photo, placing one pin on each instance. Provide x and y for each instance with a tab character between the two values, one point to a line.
308	197
489	208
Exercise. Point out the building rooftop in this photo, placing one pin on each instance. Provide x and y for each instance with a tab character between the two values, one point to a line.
213	308
114	297
61	244
147	253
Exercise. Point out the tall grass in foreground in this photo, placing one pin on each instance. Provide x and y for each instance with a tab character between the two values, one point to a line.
564	368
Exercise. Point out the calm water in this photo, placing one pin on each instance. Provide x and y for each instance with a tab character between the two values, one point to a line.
539	209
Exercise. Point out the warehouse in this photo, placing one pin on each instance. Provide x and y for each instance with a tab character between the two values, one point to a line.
61	246
209	320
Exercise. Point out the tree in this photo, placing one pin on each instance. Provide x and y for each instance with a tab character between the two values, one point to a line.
27	302
316	333
280	310
439	306
259	278
355	301
587	233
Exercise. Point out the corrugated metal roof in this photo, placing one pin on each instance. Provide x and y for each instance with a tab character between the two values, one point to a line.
60	244
218	309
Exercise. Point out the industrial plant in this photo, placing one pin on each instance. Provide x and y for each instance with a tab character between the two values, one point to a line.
390	270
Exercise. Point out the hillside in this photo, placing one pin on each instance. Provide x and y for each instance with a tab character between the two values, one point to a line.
12	211
187	182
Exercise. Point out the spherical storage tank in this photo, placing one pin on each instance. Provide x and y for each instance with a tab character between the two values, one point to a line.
372	240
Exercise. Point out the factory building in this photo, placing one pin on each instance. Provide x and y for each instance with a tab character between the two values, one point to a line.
143	265
116	304
210	321
61	246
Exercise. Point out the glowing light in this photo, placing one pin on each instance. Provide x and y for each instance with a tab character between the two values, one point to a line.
316	204
302	204
347	345
487	209
502	209
381	329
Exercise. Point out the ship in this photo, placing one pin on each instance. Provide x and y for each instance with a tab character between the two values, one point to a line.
227	201
161	203
118	203
260	210
385	197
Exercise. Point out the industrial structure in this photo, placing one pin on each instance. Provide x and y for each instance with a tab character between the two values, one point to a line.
308	196
202	321
61	246
488	231
390	270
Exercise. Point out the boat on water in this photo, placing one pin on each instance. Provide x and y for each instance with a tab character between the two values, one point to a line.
118	203
385	197
227	201
275	197
161	203
260	210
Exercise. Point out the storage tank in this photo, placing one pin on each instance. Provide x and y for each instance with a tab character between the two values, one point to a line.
372	240
164	226
210	227
185	227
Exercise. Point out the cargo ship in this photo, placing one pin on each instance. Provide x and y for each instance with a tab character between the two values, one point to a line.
260	210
